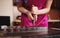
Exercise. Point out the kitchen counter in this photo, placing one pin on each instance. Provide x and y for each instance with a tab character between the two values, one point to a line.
52	33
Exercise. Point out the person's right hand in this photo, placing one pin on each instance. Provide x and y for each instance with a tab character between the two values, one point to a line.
35	17
29	14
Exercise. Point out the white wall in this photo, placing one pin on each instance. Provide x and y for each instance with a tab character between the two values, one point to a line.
15	13
6	8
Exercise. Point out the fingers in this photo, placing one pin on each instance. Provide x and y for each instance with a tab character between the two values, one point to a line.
32	5
30	16
34	9
35	17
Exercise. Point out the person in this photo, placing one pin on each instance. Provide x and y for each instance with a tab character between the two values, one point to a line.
34	12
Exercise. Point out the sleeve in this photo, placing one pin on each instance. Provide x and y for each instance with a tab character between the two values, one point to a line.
17	0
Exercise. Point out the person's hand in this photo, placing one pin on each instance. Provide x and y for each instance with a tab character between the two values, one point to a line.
32	17
29	14
35	17
34	9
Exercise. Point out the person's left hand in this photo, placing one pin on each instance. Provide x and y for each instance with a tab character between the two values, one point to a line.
34	9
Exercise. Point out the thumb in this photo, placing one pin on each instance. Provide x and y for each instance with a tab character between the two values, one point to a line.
32	7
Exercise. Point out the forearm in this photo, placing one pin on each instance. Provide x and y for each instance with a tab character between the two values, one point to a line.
35	10
25	11
47	7
43	11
